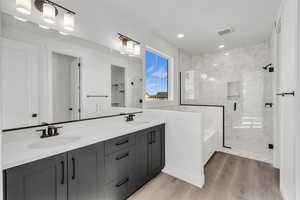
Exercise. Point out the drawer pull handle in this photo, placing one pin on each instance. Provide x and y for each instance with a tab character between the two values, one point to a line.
121	143
62	172
122	182
122	156
74	169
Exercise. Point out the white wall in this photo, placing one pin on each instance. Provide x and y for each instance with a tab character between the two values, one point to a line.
135	92
51	40
288	80
184	144
95	59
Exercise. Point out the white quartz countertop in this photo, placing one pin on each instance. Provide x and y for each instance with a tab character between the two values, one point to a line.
24	146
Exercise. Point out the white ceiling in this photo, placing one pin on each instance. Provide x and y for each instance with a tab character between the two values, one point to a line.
198	19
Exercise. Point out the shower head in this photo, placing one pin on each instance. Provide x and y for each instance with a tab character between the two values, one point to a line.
267	66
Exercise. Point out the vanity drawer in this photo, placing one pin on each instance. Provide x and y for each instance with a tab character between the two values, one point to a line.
119	164
119	143
119	189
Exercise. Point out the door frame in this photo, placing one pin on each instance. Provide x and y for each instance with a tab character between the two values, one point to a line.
49	73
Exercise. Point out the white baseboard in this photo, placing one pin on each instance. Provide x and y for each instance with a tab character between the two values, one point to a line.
246	154
182	174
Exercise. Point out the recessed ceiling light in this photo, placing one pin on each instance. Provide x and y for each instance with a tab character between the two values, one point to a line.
221	46
63	33
204	76
20	19
180	35
44	27
212	79
226	54
215	64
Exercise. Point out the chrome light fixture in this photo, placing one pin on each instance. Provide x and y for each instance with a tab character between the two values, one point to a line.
49	11
23	6
129	46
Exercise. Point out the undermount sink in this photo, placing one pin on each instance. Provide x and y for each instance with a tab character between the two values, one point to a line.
139	122
53	142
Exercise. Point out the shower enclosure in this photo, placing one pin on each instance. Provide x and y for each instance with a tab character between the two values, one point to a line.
246	92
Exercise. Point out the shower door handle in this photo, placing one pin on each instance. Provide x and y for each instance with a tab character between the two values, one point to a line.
286	94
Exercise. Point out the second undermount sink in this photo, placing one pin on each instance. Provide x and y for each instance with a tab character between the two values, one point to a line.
53	142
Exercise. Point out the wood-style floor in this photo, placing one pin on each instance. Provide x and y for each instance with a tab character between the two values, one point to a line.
228	177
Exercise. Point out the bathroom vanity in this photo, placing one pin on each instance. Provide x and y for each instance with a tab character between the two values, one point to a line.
112	167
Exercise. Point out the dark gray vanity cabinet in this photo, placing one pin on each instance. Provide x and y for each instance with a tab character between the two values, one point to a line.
45	179
150	154
109	170
156	150
86	173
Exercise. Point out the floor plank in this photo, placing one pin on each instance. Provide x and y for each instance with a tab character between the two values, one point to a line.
228	177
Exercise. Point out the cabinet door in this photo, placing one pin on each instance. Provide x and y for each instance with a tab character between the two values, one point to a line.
156	150
86	173
142	161
45	179
19	77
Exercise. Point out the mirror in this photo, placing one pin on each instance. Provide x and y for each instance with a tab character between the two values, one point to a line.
50	78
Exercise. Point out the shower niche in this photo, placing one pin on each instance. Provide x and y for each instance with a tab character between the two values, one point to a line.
234	93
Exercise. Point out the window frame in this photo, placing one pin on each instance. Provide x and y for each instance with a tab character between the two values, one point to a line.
170	72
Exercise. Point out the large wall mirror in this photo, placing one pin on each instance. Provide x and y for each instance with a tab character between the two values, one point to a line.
50	78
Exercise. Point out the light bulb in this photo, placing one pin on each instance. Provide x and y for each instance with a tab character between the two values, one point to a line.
69	21
137	50
130	46
49	13
23	6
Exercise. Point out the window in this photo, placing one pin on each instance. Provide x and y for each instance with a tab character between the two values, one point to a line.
157	74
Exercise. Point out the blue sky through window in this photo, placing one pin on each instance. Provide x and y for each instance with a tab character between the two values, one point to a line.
156	73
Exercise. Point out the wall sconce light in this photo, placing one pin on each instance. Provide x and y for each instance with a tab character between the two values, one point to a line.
129	46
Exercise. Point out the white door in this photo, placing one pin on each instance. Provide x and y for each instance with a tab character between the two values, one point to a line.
287	81
19	77
75	90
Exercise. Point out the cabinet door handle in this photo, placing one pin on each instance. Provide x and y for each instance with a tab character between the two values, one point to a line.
122	156
122	182
150	138
74	169
153	137
122	142
62	172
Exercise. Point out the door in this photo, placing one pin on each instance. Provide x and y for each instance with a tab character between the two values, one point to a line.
156	151
19	83
142	161
86	173
286	83
45	179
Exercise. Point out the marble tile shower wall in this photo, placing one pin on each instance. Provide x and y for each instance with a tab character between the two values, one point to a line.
239	82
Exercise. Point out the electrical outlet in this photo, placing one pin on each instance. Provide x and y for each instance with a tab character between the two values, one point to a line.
98	108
